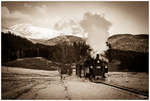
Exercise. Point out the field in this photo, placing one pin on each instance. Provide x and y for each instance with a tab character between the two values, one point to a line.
20	83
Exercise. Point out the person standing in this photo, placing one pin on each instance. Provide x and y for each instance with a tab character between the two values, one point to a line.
103	69
63	71
91	69
86	68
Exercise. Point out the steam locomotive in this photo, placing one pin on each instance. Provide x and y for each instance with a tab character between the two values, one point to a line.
92	68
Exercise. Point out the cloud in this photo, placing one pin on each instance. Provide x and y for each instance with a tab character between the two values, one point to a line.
26	5
36	15
70	26
11	18
5	12
97	28
42	10
93	26
13	15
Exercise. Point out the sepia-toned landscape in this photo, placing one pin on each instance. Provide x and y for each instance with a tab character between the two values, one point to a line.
63	50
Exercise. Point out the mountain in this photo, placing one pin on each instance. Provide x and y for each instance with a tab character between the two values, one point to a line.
128	53
30	31
34	32
58	40
128	42
41	41
65	38
14	47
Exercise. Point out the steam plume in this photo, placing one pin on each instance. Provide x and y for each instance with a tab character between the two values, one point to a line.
97	28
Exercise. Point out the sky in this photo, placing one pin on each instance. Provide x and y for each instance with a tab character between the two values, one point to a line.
125	17
95	21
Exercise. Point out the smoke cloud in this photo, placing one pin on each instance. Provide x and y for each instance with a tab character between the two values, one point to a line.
94	27
97	28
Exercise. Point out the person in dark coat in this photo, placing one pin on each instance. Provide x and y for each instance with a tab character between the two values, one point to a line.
91	68
103	69
86	67
63	71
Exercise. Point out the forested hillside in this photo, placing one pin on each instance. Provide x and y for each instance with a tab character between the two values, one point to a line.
14	47
131	50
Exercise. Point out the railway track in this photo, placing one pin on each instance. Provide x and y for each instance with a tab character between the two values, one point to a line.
125	88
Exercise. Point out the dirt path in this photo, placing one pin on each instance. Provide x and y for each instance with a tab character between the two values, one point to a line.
82	90
51	87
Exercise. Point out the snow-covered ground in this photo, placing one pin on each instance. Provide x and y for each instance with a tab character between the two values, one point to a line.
18	83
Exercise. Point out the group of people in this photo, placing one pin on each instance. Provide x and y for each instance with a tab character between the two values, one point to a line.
95	67
65	71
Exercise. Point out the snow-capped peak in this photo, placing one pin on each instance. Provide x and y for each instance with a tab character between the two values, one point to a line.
34	32
30	31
